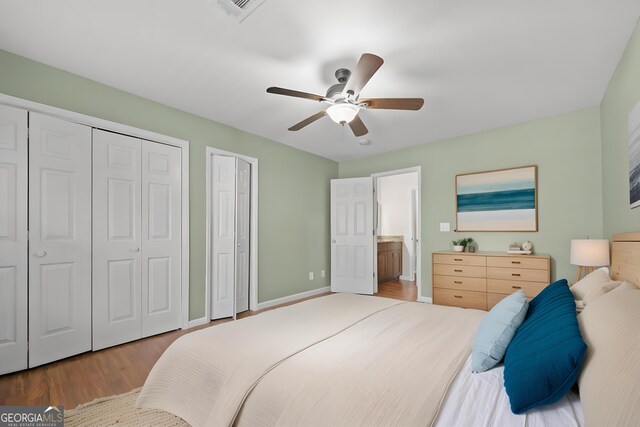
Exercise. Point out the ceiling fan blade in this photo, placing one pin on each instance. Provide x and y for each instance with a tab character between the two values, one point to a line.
308	121
366	68
358	127
393	103
295	93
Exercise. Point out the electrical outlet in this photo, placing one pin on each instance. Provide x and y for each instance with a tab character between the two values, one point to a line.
311	275
322	273
445	226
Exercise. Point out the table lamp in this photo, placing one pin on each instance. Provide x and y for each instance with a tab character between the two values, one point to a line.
589	254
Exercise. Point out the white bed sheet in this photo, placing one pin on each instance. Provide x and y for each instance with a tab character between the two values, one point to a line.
480	400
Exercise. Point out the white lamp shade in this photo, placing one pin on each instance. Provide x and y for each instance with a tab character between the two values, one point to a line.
342	113
590	253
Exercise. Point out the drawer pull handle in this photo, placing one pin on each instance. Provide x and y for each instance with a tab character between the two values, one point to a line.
517	287
516	262
457	296
515	274
457	259
457	282
458	271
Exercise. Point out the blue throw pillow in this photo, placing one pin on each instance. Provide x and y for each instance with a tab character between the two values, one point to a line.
496	331
544	359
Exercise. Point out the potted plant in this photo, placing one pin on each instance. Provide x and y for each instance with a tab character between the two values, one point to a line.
460	245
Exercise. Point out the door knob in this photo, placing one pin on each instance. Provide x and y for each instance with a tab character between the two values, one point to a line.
41	252
333	240
135	249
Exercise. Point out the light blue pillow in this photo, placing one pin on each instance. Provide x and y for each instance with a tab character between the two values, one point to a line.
496	331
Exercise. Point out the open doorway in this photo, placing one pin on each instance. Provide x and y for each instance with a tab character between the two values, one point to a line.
398	230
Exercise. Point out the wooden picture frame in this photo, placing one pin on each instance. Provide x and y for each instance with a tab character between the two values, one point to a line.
498	200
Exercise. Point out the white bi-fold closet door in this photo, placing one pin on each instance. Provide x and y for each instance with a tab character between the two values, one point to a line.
136	238
230	255
45	245
69	268
13	239
59	239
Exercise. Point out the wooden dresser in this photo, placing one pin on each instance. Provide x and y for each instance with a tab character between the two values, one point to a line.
481	279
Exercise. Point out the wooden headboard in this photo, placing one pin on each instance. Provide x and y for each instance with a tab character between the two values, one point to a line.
625	257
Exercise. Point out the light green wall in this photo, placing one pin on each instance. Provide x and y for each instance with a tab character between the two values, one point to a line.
293	187
566	149
582	160
621	96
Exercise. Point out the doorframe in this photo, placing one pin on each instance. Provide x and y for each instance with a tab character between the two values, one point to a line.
375	176
108	125
253	228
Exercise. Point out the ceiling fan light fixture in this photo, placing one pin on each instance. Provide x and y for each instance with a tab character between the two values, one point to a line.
342	113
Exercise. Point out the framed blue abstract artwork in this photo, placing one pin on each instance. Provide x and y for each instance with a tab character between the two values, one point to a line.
499	200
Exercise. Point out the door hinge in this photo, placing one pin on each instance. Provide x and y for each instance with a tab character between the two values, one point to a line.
28	235
374	274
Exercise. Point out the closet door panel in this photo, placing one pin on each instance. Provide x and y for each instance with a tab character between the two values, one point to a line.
243	179
223	208
13	239
60	239
116	239
161	237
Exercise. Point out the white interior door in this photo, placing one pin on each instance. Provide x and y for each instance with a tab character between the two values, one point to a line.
116	239
414	233
243	187
13	239
60	239
352	235
223	236
161	237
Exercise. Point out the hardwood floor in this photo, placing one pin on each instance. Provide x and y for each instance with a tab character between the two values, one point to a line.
398	289
116	370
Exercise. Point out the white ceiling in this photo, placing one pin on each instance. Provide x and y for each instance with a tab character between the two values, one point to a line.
478	64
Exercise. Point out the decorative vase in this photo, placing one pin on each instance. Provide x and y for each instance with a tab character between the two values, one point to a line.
458	248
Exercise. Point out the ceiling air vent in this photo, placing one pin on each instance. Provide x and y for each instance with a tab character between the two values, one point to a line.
240	9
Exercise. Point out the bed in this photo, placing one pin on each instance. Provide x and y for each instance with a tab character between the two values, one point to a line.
356	360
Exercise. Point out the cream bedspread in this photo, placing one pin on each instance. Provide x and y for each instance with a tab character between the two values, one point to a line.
205	376
338	360
391	369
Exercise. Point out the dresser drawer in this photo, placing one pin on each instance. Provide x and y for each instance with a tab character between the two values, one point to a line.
493	299
518	274
464	283
459	270
518	262
499	286
465	299
459	259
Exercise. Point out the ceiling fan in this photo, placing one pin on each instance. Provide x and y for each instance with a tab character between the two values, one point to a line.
344	97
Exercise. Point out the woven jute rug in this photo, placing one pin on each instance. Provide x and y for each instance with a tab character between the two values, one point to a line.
119	410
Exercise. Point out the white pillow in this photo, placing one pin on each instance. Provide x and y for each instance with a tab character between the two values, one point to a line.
596	293
609	386
594	280
625	285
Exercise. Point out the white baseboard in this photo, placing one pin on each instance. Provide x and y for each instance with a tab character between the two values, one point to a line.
409	278
425	299
278	301
197	322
